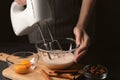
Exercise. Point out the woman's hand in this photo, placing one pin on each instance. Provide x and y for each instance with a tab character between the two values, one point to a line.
82	39
21	2
81	36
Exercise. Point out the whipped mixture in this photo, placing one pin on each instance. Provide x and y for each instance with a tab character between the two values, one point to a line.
59	59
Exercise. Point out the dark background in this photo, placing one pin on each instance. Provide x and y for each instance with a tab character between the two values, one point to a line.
6	31
108	24
107	45
108	36
108	31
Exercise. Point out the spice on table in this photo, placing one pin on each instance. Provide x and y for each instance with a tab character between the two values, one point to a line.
95	69
46	76
66	71
64	75
0	54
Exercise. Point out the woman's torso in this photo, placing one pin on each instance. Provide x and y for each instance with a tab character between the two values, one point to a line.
66	14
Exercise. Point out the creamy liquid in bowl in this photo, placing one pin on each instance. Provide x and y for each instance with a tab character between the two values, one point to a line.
59	60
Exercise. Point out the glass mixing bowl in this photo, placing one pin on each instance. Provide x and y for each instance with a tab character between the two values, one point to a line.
57	54
22	62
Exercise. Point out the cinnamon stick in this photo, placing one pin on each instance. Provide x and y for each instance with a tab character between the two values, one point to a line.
0	54
64	75
65	71
46	76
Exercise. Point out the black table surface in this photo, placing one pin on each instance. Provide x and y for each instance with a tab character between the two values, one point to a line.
107	56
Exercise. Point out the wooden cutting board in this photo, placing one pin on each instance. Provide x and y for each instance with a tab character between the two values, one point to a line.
36	74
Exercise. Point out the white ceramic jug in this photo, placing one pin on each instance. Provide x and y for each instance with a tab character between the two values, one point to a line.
22	18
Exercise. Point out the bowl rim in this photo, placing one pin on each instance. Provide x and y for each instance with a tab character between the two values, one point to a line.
70	50
18	52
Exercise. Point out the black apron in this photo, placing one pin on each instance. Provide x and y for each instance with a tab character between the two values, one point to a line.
66	14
